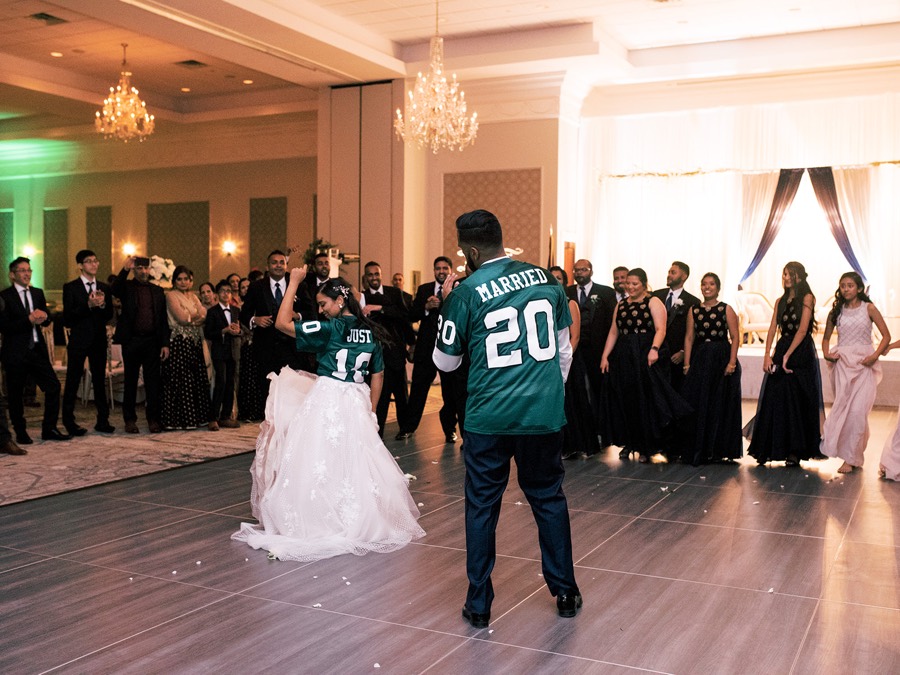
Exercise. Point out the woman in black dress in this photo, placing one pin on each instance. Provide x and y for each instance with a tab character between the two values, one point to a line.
640	405
712	383
788	422
580	433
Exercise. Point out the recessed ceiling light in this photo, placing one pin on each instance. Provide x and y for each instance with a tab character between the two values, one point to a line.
185	89
248	81
56	55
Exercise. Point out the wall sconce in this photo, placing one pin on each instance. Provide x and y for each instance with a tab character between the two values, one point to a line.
129	249
28	251
229	247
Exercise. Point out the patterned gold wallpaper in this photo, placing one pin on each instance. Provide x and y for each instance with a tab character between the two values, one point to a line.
514	196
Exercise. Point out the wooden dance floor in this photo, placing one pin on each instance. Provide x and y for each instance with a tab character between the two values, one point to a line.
719	569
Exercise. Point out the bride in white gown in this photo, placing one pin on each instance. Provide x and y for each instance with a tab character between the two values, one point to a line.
323	482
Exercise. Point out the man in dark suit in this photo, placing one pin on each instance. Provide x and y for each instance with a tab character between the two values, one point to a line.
272	349
385	306
620	273
143	331
678	307
24	352
321	272
7	444
222	327
426	309
397	282
87	308
598	305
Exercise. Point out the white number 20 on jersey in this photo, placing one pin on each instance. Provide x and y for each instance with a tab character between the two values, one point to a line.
536	310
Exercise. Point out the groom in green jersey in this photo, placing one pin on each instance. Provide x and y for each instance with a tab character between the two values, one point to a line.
512	319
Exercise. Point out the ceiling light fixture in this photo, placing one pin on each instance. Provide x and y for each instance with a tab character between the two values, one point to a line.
124	116
436	113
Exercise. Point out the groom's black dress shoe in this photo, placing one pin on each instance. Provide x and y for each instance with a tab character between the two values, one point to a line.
55	435
477	620
568	604
76	430
22	438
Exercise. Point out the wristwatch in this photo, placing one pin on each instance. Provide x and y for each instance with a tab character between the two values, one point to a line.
655	348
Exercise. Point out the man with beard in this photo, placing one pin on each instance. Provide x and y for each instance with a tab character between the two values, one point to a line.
678	304
426	309
619	276
385	306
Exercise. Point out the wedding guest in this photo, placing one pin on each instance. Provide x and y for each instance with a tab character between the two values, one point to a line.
143	332
87	308
397	282
597	304
640	404
787	426
385	307
579	434
854	369
254	275
234	280
620	273
7	444
678	303
221	328
207	294
889	466
185	400
323	482
24	352
712	383
244	287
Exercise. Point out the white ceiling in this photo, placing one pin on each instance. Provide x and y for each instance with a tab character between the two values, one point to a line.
291	48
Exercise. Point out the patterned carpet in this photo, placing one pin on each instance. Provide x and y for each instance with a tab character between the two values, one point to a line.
54	467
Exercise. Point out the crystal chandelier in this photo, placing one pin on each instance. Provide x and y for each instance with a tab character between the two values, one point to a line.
124	115
436	108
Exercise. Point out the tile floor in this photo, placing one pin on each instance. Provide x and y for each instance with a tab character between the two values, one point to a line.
719	569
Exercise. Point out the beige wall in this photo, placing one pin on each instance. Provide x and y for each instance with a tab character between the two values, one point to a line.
500	146
228	188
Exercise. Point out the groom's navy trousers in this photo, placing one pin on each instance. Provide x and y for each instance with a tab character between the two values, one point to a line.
540	471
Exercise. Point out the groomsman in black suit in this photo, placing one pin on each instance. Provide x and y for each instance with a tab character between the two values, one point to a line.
678	306
321	272
24	352
272	349
426	309
87	308
385	306
222	327
619	275
598	305
143	331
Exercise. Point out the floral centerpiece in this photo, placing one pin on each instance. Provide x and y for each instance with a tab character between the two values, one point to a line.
161	271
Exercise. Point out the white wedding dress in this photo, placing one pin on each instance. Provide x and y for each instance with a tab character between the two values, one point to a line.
323	482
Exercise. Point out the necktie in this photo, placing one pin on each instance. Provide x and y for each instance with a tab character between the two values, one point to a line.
440	293
278	294
582	297
32	341
227	311
90	287
669	301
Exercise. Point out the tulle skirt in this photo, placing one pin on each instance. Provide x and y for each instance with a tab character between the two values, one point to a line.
846	431
323	482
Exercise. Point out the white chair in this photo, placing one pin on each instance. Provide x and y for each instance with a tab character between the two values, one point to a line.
755	316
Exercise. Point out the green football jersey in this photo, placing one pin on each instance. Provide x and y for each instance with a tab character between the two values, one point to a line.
346	349
506	316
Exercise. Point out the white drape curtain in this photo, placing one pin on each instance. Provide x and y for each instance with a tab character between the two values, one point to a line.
695	184
854	191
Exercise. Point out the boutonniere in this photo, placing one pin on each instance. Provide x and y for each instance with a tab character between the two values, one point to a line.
594	299
677	302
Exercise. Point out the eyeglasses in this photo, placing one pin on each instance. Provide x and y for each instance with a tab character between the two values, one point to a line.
90	261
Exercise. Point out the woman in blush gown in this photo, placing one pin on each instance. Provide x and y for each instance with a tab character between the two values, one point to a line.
185	390
854	369
323	482
580	433
787	426
712	383
639	402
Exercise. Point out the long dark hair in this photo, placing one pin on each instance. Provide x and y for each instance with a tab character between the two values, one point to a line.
337	288
555	268
800	287
839	301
